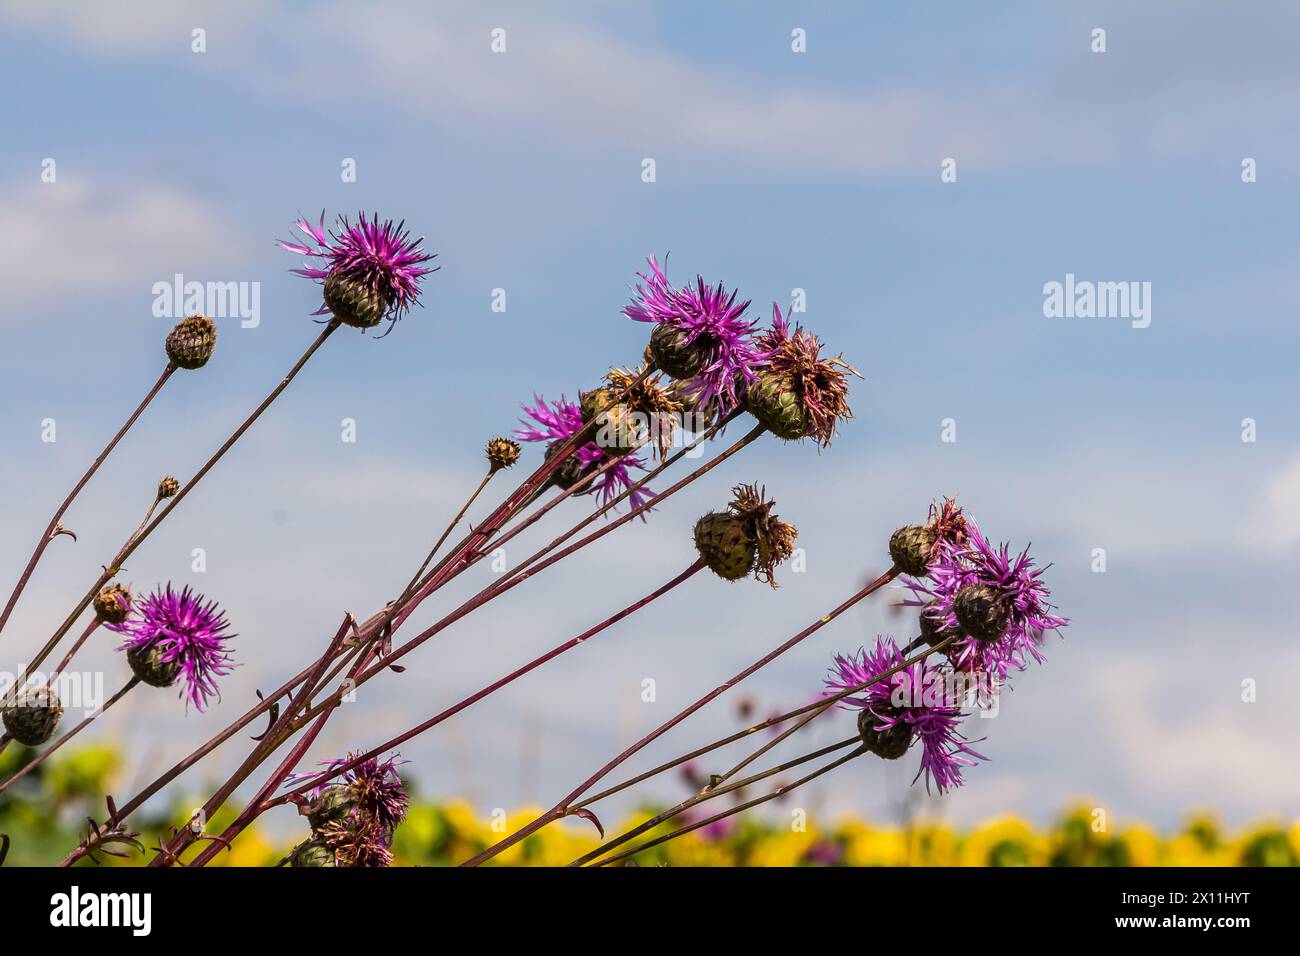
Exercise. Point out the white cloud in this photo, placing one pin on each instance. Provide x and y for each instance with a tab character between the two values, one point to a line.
78	236
587	86
1279	520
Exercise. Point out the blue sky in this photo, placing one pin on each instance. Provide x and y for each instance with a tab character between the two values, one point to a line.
775	171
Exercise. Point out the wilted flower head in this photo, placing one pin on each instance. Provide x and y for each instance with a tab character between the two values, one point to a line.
183	631
371	270
914	547
649	404
702	335
948	525
357	816
746	537
1009	593
914	703
773	537
112	604
820	385
561	420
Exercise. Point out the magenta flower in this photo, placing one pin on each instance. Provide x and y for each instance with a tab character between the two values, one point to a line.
919	702
187	633
559	422
1002	599
356	817
379	263
708	323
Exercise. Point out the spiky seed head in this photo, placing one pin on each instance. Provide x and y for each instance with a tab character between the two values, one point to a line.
615	431
653	410
333	803
311	853
774	401
726	545
112	604
501	453
773	538
33	716
190	343
982	612
168	487
672	351
820	385
910	548
354	302
148	663
889	744
569	472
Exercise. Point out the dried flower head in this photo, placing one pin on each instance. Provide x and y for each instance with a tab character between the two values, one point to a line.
168	487
799	394
701	336
191	342
561	420
501	453
913	547
914	703
746	537
948	525
112	604
180	629
370	271
653	408
996	602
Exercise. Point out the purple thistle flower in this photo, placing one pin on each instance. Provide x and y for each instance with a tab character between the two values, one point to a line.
381	259
1021	597
710	316
917	699
559	422
357	816
187	632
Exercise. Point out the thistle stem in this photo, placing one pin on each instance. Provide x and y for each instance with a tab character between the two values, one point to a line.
815	709
415	579
498	684
270	742
45	755
139	537
493	591
51	529
520	497
604	509
739	808
563	808
708	793
67	658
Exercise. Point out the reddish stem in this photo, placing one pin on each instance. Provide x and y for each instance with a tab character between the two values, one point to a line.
738	808
562	808
139	537
53	526
494	686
